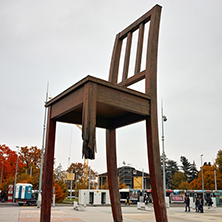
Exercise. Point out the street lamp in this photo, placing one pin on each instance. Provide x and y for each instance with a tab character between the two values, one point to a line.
16	167
164	119
42	152
202	176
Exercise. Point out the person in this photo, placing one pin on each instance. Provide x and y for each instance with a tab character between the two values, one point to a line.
187	202
127	200
197	204
209	201
201	204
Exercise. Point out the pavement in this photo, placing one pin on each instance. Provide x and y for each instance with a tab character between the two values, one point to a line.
14	213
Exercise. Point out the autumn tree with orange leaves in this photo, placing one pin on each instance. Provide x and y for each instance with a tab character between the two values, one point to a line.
208	175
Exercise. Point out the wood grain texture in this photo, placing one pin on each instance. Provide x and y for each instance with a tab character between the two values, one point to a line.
123	100
127	56
133	79
113	175
152	122
48	170
89	120
139	49
114	66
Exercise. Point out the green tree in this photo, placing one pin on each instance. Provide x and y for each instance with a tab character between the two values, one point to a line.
219	160
177	178
171	169
193	171
186	166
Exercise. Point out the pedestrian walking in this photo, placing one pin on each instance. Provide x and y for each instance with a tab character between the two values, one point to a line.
197	202
187	202
201	204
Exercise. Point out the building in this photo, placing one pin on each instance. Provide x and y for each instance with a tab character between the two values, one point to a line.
130	176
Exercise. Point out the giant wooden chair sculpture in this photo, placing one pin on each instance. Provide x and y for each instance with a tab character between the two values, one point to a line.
93	102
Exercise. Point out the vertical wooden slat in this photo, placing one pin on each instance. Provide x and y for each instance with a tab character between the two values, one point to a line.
114	66
89	120
152	50
113	175
127	56
139	49
48	169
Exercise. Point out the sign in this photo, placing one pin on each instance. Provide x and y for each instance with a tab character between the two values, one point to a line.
177	198
10	193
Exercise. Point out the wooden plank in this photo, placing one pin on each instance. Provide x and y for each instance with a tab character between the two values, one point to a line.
114	66
67	91
152	50
151	122
127	56
139	49
134	79
122	100
68	103
155	168
89	120
127	119
81	83
48	170
135	25
113	175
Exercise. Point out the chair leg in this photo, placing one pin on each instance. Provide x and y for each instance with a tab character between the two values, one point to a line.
155	170
113	175
48	170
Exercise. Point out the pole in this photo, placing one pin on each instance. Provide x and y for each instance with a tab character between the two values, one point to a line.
71	186
142	180
31	171
53	200
202	176
89	176
60	171
164	119
16	169
215	178
42	151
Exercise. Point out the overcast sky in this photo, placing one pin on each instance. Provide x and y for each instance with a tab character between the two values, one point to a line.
63	41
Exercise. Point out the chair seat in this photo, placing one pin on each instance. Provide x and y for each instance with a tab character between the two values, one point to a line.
116	106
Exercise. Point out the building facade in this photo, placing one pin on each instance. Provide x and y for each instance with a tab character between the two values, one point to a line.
129	176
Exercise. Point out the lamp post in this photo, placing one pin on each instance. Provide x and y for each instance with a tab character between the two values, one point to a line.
164	119
16	167
42	153
215	178
202	176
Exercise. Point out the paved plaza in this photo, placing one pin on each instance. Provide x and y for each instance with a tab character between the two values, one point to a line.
103	214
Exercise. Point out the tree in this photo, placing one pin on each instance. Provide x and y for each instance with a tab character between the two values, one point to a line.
184	185
177	178
185	167
219	160
208	175
80	182
171	169
59	193
193	171
78	171
8	160
31	157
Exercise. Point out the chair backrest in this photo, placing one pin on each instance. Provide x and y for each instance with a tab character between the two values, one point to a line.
149	73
